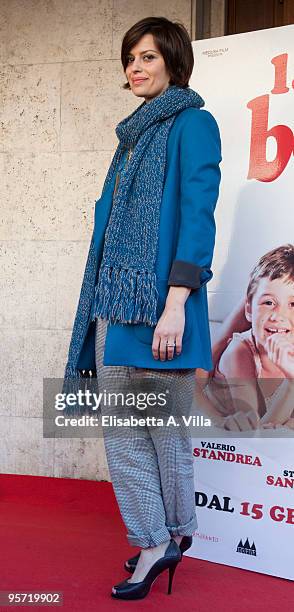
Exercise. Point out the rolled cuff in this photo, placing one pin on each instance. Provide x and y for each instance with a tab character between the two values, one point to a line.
187	529
186	274
154	538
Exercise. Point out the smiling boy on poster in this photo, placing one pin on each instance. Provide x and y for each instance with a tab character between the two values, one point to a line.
252	381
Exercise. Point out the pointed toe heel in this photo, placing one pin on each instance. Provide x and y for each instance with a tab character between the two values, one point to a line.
138	590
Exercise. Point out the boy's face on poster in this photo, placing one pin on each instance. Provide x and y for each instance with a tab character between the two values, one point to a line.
271	309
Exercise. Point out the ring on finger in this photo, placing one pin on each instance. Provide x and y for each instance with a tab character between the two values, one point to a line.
169	345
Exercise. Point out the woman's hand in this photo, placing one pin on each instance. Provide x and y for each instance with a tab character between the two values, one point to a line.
169	330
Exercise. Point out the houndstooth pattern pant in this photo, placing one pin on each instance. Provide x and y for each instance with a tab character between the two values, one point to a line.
151	467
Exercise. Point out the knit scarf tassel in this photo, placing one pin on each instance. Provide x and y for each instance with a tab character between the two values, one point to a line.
126	296
74	383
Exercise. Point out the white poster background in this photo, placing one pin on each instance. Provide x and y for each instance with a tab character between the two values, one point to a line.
252	218
220	531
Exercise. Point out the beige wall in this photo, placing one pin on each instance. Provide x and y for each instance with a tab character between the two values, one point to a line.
60	100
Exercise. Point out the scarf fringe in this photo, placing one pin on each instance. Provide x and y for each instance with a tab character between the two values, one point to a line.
72	379
126	296
74	382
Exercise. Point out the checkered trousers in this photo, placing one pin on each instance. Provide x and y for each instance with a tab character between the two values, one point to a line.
150	465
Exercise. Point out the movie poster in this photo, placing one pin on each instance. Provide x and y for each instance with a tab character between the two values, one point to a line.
244	461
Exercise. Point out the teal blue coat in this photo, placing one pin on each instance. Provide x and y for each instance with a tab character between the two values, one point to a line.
185	248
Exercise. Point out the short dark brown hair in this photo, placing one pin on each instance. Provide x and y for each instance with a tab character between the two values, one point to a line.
173	42
277	263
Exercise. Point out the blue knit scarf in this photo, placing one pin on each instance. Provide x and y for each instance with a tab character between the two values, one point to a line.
126	288
126	291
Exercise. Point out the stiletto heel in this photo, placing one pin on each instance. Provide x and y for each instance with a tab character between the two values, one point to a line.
172	570
138	590
130	564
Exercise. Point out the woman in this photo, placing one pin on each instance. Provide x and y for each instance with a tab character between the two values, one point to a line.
142	317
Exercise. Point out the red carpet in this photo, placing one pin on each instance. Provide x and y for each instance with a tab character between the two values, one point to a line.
67	535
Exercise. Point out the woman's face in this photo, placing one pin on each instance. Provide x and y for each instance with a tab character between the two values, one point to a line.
146	71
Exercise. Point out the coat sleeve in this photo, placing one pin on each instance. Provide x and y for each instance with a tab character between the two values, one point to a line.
200	155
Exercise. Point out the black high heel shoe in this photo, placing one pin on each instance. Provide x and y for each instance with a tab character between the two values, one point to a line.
186	542
138	590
